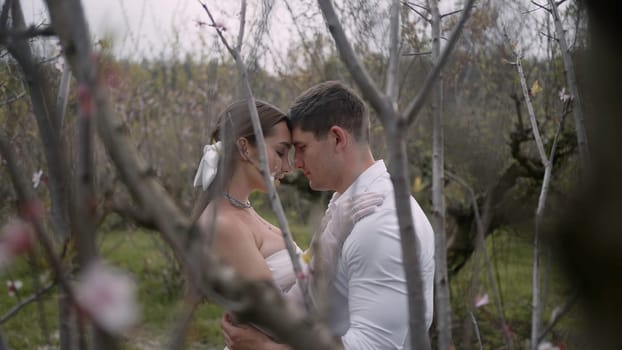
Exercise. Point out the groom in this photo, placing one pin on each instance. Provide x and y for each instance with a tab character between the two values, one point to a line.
368	290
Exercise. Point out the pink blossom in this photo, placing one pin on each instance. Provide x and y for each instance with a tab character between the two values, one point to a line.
13	287
547	346
108	296
85	100
32	210
481	300
16	240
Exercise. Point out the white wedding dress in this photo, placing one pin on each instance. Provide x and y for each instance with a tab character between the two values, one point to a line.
282	269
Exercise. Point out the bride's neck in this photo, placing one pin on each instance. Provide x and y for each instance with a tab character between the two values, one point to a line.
239	188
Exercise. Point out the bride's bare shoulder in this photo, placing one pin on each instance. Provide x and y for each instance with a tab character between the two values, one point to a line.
228	227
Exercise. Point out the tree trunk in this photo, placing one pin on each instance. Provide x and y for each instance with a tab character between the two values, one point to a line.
443	308
571	80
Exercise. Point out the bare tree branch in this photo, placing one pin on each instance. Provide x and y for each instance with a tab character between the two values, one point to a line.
541	6
571	80
259	302
31	32
476	327
4	15
63	94
412	111
31	211
424	53
273	195
441	280
481	245
47	122
394	56
548	36
450	13
414	4
411	7
26	301
370	91
547	162
3	345
12	99
242	23
530	110
559	315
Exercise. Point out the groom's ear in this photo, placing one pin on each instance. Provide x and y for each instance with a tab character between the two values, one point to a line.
339	137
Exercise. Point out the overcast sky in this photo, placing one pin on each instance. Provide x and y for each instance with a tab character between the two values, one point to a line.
151	27
156	28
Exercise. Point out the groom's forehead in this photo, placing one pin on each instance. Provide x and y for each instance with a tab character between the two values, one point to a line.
299	136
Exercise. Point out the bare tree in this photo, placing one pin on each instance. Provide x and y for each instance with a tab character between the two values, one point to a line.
547	162
443	317
481	247
255	301
571	80
395	127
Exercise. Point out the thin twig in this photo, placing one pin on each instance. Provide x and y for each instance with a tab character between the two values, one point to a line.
28	33
548	36
530	110
242	24
12	99
392	81
541	6
3	345
184	321
476	327
273	195
30	299
423	53
451	13
564	310
412	111
31	212
423	16
359	73
4	16
416	5
480	239
63	94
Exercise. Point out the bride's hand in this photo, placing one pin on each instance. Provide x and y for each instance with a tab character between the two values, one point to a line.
340	220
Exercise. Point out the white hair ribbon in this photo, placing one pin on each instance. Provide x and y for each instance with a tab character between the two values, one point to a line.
208	165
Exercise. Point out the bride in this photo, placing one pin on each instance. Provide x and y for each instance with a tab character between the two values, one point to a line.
239	235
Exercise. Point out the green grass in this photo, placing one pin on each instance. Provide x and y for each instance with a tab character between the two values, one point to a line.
511	257
146	258
160	291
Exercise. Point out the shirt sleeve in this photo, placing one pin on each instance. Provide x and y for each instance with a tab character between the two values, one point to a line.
376	286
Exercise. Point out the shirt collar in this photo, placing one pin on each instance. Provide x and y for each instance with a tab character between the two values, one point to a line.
362	182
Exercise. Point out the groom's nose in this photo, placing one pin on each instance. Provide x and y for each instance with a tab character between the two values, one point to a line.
298	163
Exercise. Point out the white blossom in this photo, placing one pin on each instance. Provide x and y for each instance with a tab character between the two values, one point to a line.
108	296
36	178
13	287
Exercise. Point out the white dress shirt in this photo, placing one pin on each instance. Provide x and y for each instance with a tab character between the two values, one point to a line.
369	306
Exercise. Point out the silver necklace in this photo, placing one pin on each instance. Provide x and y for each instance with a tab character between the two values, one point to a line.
236	202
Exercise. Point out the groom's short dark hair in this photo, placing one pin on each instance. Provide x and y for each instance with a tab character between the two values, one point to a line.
327	104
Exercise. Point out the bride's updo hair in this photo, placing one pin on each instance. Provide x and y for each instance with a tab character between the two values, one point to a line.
232	124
